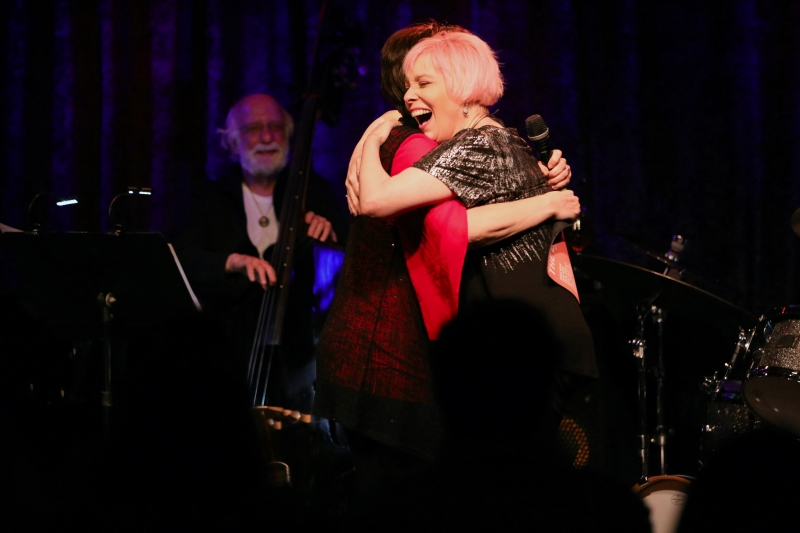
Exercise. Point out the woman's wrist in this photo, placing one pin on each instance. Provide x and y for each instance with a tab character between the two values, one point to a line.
550	204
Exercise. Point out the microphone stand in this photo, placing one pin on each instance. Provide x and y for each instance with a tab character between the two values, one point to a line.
105	301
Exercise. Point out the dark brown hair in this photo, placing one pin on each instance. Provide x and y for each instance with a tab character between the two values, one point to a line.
393	80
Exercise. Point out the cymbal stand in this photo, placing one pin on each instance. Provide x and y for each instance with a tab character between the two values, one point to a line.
661	433
638	345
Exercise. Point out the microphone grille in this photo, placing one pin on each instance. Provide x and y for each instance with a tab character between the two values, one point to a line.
536	127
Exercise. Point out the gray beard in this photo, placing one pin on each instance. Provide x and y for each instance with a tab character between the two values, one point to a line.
261	170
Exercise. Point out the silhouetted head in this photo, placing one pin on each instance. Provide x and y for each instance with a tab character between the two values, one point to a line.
493	367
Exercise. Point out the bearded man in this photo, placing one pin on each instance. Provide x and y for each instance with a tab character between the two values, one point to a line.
227	238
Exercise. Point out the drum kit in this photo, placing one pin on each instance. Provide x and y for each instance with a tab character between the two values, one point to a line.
757	389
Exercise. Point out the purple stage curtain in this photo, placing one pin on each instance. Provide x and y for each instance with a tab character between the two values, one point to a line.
676	117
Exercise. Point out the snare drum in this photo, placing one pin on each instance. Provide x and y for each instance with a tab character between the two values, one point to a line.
772	387
665	497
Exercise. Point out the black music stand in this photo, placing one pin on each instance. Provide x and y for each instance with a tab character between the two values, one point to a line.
75	281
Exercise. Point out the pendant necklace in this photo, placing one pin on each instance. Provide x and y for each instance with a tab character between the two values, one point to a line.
263	221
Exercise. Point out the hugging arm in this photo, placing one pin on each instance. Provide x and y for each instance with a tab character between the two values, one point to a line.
354	166
371	192
491	223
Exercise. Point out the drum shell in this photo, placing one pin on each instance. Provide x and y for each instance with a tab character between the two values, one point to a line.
727	417
782	347
772	387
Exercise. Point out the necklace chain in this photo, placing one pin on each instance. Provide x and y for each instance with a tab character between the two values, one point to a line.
264	220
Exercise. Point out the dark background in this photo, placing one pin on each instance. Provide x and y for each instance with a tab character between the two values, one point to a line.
676	117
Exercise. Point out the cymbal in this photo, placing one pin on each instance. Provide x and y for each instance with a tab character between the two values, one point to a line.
659	255
640	285
682	264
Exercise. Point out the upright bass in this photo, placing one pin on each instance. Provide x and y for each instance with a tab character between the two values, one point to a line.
322	100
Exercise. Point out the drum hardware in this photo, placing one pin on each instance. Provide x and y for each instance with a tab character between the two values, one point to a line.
727	415
671	259
676	248
661	437
710	384
742	346
639	345
723	388
653	294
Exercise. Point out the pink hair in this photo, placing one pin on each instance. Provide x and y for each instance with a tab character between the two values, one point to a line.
469	66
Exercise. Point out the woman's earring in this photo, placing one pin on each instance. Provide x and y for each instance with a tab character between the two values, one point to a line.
465	110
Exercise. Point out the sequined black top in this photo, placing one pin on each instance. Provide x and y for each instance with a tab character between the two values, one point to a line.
493	165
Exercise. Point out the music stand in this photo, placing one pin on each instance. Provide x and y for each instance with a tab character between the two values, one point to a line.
76	280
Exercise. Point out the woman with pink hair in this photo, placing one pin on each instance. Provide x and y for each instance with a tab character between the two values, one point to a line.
399	285
452	79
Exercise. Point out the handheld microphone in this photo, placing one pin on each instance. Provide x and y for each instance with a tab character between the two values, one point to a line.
539	134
